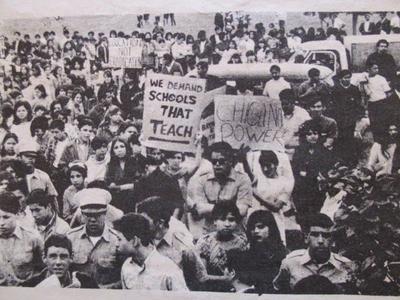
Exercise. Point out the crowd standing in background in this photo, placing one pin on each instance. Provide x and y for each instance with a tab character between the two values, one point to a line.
84	203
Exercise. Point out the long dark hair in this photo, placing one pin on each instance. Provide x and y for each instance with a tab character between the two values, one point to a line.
42	90
386	141
113	158
27	106
266	218
8	136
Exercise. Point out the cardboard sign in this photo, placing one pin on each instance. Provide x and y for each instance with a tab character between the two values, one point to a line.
207	123
255	121
125	53
172	111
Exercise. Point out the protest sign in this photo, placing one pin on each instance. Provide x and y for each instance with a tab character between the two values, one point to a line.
172	111
255	121
125	53
207	123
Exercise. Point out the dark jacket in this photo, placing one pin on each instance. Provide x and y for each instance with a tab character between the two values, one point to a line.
175	68
102	54
104	88
158	183
258	267
207	52
364	31
386	64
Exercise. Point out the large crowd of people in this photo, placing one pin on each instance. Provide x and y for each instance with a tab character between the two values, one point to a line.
85	203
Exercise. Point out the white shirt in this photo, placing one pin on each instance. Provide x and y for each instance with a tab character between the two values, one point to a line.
270	189
274	87
179	50
59	150
395	21
157	273
245	46
378	162
376	88
338	23
367	26
202	46
23	131
226	55
96	169
291	125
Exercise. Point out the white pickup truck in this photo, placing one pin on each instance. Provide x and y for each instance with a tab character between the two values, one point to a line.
351	55
328	56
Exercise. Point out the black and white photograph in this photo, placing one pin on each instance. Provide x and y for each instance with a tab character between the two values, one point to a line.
230	151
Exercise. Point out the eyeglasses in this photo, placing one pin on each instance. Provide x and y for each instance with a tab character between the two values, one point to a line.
220	161
325	235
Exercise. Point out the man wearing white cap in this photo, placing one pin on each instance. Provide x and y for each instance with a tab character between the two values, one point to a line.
95	243
35	178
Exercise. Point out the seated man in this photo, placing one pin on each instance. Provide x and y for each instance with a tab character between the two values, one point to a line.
46	220
223	183
316	260
58	259
145	268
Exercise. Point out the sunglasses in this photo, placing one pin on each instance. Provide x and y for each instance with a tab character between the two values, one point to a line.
325	235
220	161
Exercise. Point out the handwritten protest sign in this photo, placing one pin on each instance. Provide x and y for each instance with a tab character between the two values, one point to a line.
172	111
255	121
125	53
207	123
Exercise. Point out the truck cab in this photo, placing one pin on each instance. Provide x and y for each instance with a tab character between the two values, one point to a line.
350	55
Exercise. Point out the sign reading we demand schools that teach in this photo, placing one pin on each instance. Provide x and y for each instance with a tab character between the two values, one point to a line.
125	53
255	121
172	111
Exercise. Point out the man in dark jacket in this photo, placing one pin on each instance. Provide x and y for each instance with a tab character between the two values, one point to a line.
385	61
128	95
170	66
58	259
202	47
346	110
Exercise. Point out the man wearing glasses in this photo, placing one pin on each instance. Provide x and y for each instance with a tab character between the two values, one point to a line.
316	260
223	183
95	243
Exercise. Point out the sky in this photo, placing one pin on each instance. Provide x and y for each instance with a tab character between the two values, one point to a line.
12	9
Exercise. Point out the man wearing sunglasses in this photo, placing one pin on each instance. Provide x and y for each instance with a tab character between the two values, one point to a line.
223	183
316	260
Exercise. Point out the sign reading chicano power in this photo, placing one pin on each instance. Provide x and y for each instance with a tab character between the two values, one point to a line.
125	53
255	121
172	111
